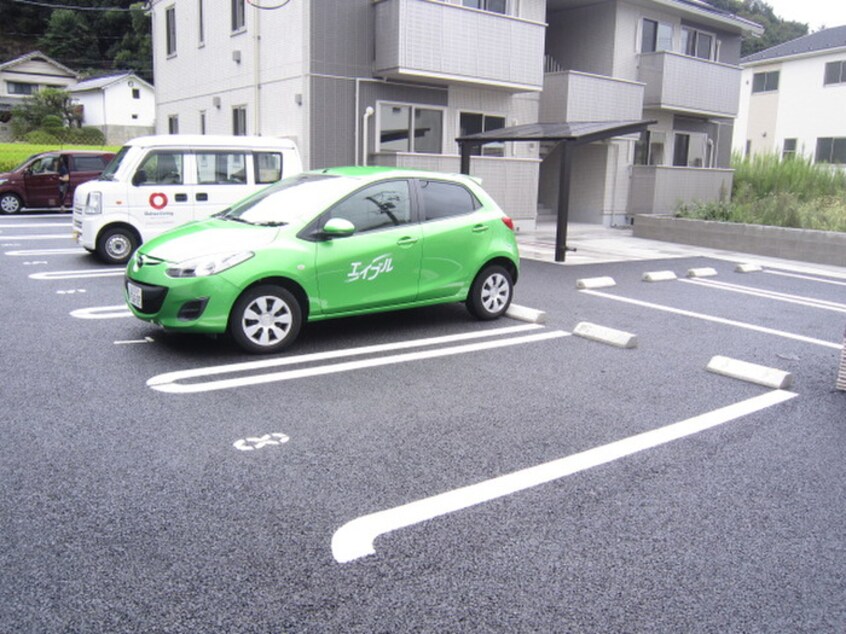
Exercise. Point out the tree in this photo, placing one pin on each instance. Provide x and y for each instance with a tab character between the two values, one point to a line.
70	40
135	49
38	109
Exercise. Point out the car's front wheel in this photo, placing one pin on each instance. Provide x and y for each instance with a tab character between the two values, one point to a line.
265	319
491	293
116	245
10	203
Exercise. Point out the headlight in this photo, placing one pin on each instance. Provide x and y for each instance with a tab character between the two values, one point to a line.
209	264
94	204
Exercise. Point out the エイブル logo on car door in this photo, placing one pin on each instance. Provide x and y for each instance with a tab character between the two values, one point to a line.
378	265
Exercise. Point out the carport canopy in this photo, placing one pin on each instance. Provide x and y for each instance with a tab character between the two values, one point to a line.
570	135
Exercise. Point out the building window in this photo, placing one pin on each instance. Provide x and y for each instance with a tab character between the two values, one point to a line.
201	27
831	150
136	93
656	36
494	6
173	124
681	150
473	123
835	73
789	149
765	82
649	149
239	120
410	129
170	30
697	44
21	88
202	121
239	19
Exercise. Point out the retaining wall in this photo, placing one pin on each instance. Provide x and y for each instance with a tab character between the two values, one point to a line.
819	247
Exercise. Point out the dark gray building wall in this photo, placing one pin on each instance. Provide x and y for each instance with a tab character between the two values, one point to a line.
583	39
342	38
718	131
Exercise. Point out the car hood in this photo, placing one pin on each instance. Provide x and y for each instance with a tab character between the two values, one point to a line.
207	238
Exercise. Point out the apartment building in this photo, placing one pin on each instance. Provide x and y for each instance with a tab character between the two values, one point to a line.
395	82
793	99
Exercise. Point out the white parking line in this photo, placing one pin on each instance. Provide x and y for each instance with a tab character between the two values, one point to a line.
355	539
775	295
35	225
29	252
102	312
804	277
46	236
77	275
169	382
718	320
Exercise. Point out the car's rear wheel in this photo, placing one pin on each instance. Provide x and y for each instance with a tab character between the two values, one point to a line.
265	319
10	203
116	245
491	293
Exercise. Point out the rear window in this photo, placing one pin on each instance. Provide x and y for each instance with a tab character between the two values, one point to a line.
268	166
89	163
444	200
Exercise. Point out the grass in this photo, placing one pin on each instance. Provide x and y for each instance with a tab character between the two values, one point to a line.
783	193
13	154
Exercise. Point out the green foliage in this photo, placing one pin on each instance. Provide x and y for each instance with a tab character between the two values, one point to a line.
776	30
13	154
782	193
69	37
41	137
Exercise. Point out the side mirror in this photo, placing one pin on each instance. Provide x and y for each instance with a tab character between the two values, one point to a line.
338	228
139	178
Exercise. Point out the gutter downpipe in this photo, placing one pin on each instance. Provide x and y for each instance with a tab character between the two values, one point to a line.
368	112
257	72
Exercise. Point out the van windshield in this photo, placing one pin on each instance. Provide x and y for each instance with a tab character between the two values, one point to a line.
109	173
297	197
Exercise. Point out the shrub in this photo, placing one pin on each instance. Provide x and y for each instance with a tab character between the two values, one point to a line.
41	137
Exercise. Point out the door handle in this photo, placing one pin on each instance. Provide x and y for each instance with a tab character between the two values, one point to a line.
180	198
480	228
202	197
407	241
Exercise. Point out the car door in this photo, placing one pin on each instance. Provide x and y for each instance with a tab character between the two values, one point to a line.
222	179
41	179
456	238
379	265
160	195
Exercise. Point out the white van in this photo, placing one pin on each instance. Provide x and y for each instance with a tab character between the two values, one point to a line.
155	183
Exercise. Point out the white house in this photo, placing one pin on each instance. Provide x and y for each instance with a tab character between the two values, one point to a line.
123	106
793	99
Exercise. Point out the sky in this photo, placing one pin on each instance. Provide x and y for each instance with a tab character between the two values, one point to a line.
814	13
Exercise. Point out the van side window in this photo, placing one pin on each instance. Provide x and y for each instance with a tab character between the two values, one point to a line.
221	168
160	168
88	163
268	166
45	164
443	200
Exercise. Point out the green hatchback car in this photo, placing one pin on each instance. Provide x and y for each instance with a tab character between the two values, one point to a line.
325	244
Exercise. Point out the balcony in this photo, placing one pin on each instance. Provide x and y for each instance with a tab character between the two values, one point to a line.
573	96
657	189
689	84
436	42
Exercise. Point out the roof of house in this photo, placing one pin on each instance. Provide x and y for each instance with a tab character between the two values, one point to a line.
824	40
35	54
99	83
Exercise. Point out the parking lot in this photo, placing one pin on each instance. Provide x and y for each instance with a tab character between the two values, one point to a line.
421	470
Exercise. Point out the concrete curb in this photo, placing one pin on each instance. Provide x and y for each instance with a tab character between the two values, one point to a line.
595	282
616	338
522	313
750	372
659	276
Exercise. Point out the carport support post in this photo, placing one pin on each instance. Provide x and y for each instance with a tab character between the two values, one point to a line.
466	149
563	200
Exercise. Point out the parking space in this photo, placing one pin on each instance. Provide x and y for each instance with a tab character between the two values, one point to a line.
423	467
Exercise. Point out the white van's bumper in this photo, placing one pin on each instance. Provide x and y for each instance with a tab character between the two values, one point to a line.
85	229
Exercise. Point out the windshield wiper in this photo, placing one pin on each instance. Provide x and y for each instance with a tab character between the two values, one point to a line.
270	223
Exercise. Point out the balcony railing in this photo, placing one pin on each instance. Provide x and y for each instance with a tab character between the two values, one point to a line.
689	84
574	96
434	41
659	189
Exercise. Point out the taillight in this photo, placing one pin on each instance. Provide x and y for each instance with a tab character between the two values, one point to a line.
508	222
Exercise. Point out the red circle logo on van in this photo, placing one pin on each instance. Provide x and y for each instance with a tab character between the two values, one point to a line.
158	200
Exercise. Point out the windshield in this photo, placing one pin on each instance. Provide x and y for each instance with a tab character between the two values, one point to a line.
26	162
109	173
293	198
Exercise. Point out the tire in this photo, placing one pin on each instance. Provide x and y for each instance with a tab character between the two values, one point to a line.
265	319
116	245
491	293
10	203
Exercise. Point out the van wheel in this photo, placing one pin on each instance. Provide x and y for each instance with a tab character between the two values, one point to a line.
116	245
265	319
10	203
490	295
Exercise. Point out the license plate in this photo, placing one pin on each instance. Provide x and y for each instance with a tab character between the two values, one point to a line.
134	292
